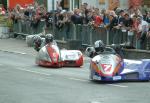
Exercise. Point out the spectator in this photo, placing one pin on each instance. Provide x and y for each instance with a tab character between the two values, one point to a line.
86	11
113	21
88	15
106	20
141	33
49	19
127	25
121	18
97	20
128	22
2	12
66	21
112	27
76	18
58	20
136	12
135	23
133	31
147	17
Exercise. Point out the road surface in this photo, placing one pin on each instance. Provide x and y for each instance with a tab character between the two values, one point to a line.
22	81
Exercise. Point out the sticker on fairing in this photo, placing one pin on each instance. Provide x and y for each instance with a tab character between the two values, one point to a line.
117	78
95	77
106	67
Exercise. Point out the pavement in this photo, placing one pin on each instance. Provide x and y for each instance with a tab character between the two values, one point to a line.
16	46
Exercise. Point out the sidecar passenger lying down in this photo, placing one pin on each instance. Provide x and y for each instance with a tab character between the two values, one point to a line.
52	56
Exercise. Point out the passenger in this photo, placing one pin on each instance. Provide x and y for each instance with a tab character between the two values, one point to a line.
38	42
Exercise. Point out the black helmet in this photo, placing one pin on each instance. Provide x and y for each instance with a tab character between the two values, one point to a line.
99	46
49	38
37	39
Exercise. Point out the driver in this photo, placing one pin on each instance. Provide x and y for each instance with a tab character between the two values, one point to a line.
49	39
38	42
98	48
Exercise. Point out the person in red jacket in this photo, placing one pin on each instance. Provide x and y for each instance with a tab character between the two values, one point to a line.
97	20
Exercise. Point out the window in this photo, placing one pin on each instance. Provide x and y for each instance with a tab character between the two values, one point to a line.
65	4
101	1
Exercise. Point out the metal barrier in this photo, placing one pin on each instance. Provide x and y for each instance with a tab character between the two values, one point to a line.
84	33
148	44
25	27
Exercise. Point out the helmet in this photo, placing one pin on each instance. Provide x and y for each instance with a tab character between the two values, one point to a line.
89	51
37	39
49	38
99	46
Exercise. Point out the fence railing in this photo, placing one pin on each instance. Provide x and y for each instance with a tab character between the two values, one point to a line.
84	33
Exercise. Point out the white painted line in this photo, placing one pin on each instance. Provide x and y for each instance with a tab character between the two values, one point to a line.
95	102
33	71
17	52
84	80
76	79
115	85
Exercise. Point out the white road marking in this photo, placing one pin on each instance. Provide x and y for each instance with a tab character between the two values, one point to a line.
84	80
115	85
33	72
95	102
76	79
17	52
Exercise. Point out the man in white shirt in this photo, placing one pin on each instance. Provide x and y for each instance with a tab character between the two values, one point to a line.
143	28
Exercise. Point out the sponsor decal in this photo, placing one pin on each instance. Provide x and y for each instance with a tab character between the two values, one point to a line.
71	56
117	78
106	67
95	77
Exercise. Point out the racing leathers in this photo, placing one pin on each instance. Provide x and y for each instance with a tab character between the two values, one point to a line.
41	43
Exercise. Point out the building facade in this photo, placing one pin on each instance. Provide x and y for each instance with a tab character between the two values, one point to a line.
71	4
65	4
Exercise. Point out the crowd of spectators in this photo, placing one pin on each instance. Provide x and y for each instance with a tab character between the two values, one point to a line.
131	20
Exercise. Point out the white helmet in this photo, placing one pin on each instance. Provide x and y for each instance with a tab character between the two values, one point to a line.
99	46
